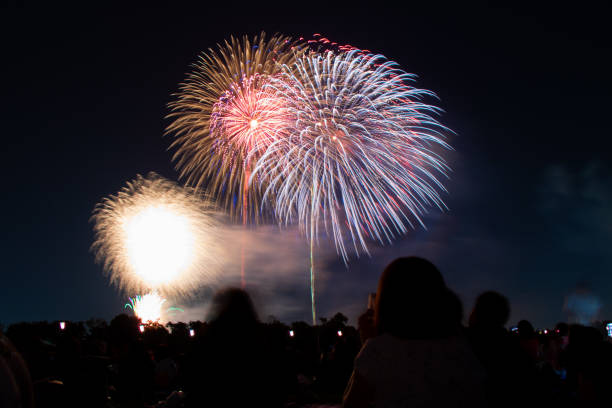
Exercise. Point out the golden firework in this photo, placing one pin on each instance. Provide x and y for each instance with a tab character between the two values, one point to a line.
223	119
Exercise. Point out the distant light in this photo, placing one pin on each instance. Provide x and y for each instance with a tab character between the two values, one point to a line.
141	328
191	332
545	331
291	333
62	325
609	329
339	333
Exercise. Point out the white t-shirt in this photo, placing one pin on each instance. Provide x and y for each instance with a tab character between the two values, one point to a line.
421	373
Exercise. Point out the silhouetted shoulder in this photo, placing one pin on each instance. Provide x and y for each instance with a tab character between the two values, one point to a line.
421	372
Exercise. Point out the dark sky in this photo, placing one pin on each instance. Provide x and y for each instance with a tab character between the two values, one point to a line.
526	89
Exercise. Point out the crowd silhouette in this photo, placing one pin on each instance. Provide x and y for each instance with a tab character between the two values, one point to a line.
410	350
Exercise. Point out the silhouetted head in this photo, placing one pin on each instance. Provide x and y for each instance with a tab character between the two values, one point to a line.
491	310
233	307
413	301
525	329
123	329
583	338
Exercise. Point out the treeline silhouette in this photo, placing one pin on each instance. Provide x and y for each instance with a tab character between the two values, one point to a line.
411	349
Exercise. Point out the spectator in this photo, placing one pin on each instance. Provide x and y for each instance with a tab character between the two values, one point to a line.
528	340
15	382
418	357
232	364
133	369
504	362
589	358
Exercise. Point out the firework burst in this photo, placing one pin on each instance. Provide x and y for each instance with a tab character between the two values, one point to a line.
360	156
156	235
148	307
361	151
223	118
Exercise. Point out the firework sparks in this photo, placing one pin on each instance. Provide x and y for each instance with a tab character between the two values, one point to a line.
360	153
148	307
320	44
360	157
248	118
223	118
156	235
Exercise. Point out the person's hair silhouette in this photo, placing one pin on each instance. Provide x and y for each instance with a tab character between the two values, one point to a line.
491	310
413	301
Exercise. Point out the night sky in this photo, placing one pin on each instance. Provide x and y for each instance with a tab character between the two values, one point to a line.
526	90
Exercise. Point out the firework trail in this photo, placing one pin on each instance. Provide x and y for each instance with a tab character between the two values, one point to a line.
155	235
360	158
223	119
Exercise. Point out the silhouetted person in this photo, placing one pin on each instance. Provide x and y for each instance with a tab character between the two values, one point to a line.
366	325
528	340
589	359
554	348
491	310
418	357
15	382
232	364
503	360
132	369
